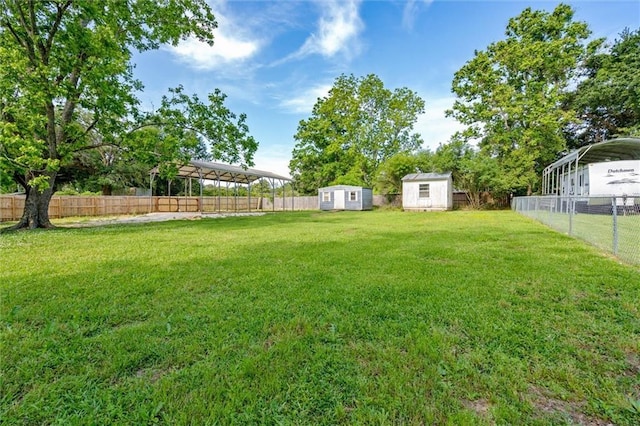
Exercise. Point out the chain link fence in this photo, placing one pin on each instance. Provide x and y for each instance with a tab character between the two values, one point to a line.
609	223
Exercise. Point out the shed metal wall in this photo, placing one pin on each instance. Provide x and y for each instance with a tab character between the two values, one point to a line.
325	205
364	201
367	199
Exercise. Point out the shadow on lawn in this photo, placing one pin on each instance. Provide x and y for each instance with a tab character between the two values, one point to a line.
365	320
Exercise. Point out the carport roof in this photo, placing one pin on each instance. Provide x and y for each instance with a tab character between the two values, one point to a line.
611	150
223	172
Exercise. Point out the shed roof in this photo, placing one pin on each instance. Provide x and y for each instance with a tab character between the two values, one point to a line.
426	176
223	172
347	187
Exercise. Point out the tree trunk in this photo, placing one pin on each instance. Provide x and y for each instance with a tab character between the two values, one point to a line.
36	208
107	189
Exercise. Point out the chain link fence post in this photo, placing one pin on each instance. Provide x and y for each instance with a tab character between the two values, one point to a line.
572	211
597	220
615	224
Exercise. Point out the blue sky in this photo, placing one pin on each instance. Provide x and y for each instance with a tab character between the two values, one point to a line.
275	58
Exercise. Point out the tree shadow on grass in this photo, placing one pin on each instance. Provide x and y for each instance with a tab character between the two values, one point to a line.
356	324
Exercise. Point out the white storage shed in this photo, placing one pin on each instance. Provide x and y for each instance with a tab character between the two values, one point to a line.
427	191
345	197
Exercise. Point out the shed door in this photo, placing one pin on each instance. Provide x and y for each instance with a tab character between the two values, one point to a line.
338	200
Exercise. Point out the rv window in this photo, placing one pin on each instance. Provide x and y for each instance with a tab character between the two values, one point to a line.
424	190
353	196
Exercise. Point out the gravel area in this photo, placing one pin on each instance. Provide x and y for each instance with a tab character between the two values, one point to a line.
154	217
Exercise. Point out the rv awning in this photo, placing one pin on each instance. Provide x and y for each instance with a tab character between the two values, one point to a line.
223	172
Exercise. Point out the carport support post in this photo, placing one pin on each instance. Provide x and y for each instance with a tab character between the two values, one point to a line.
219	199
169	189
153	175
614	208
201	184
235	194
563	189
575	179
227	197
273	194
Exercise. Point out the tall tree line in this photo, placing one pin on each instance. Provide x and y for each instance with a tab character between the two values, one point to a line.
525	100
543	90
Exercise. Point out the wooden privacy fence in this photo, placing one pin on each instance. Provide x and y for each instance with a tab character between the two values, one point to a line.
291	203
12	206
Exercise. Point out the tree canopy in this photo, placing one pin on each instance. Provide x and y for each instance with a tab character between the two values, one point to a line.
607	99
67	86
511	94
352	131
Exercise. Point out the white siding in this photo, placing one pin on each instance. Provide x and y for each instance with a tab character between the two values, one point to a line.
615	178
440	195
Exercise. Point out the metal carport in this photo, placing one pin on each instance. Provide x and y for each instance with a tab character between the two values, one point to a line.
220	172
611	150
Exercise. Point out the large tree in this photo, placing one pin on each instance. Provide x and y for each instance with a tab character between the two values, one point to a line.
391	172
66	75
355	128
607	99
511	94
473	170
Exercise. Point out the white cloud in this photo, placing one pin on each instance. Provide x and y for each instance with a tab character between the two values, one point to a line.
233	44
226	50
273	159
411	10
304	101
434	127
337	31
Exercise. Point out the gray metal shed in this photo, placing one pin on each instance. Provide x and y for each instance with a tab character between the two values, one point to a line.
345	197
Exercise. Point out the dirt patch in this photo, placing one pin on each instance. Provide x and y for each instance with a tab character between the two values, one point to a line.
152	375
633	371
634	363
545	404
153	217
479	406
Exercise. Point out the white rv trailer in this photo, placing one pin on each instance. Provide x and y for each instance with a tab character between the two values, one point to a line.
610	168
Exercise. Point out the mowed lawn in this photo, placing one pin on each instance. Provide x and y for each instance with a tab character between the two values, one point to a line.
303	318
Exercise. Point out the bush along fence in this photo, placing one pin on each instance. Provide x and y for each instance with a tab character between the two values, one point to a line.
610	223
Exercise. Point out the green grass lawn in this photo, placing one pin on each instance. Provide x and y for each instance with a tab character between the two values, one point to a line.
317	318
597	229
